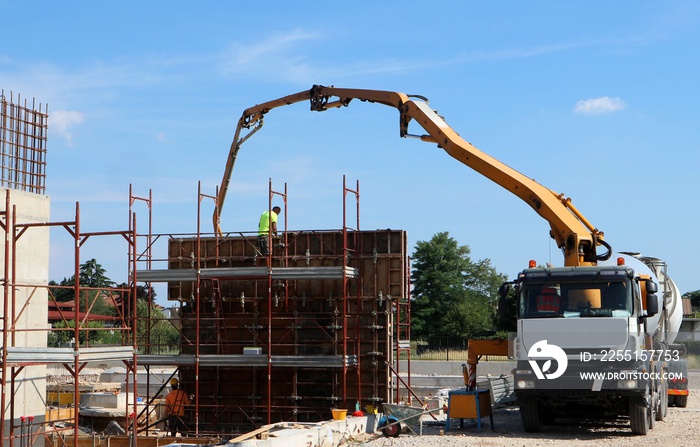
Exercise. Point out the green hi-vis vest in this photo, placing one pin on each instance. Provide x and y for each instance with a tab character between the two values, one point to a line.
265	220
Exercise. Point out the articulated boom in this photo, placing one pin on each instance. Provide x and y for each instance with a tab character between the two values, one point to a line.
577	238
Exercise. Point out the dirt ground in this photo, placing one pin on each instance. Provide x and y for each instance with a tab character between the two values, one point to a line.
680	429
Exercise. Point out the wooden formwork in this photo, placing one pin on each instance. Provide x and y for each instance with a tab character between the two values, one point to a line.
323	340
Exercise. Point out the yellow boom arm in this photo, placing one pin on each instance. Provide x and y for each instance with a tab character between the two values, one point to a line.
572	232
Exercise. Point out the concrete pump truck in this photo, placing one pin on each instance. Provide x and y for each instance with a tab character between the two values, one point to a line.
594	337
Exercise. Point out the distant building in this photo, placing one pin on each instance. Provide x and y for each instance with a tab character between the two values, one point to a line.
687	307
65	311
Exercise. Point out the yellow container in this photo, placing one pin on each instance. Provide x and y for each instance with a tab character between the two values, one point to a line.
338	414
60	397
584	298
463	406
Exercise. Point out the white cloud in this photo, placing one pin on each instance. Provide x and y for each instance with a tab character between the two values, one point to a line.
280	53
63	121
286	57
599	106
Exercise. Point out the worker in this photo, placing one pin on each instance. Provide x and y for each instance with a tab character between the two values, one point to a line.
266	227
175	403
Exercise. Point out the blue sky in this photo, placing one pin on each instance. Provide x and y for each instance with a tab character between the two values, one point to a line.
597	100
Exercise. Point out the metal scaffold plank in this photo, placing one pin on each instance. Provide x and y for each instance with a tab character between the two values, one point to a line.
278	273
308	361
23	354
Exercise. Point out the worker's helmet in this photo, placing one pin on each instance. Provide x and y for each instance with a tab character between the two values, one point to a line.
174	381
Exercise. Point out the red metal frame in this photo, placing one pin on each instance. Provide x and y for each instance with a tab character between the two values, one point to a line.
347	252
351	330
14	231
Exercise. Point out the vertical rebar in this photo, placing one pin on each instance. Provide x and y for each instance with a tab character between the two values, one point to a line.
21	431
30	431
3	133
22	144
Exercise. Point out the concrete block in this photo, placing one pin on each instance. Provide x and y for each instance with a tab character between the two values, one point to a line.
103	400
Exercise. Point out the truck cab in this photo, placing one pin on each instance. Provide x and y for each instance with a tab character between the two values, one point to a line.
582	344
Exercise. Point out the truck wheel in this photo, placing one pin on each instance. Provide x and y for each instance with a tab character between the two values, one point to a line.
682	401
671	400
529	415
639	416
662	409
651	410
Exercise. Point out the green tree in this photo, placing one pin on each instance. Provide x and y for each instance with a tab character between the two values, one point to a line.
452	295
96	298
91	334
91	275
155	333
155	330
63	291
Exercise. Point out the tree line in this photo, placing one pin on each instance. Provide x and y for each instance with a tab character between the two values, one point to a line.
452	295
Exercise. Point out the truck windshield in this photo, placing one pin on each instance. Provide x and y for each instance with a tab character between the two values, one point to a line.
576	299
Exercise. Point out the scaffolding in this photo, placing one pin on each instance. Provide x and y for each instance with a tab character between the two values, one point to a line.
287	336
20	296
263	339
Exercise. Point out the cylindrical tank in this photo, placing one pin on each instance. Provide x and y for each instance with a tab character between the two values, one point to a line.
670	313
668	289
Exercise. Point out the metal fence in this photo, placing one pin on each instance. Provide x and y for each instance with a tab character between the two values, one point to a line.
445	348
440	348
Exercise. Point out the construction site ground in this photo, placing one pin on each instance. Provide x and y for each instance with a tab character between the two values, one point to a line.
680	429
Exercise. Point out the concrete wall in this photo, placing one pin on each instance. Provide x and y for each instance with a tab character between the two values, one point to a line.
454	368
689	331
429	377
29	305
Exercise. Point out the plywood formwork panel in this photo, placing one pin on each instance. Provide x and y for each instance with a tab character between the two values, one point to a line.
312	316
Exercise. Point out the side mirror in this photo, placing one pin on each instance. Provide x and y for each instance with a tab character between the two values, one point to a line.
652	300
503	313
503	309
652	305
651	287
